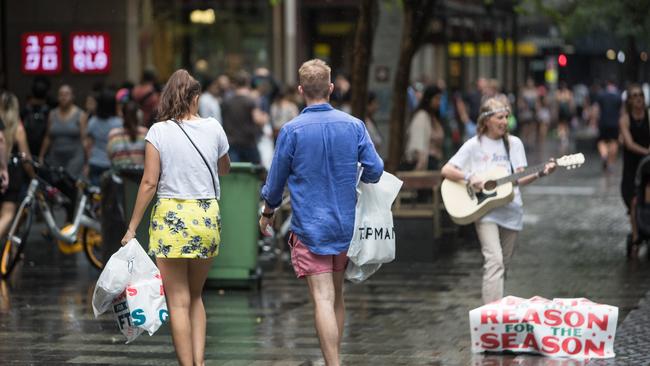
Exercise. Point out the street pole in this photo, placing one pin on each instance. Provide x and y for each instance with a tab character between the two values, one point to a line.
290	69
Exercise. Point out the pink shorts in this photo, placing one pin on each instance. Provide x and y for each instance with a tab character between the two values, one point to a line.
306	263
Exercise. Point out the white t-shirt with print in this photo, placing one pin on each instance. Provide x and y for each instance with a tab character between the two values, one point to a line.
481	154
183	174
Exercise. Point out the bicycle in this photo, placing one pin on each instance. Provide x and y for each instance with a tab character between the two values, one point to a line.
43	195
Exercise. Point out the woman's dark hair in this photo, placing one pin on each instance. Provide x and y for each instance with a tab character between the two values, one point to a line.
177	96
131	120
106	104
40	87
206	82
371	97
425	103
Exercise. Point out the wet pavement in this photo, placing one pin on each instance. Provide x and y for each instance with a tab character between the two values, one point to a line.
410	313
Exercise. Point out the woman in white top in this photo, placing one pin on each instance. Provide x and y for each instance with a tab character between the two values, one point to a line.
185	222
497	231
425	134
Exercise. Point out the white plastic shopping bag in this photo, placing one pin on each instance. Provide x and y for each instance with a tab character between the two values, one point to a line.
122	315
573	328
146	298
358	274
114	278
131	285
373	241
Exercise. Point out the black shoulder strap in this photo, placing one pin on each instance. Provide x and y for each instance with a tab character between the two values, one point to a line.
214	185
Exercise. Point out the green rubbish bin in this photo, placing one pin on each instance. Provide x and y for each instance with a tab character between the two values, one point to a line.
131	177
239	205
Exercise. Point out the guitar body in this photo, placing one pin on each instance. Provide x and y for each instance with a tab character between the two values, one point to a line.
466	206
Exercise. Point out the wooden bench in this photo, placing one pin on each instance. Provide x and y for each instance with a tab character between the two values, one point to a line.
420	180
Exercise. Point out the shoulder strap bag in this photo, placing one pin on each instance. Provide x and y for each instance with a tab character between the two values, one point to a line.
214	185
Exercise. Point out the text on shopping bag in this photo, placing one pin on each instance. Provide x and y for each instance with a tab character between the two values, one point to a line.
576	328
376	233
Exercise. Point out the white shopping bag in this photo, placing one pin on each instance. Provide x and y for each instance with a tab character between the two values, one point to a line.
574	328
123	318
373	240
131	285
358	274
146	298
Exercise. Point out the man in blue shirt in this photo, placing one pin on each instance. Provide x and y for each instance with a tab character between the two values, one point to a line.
317	155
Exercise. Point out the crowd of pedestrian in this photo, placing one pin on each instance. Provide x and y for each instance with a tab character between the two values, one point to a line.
242	117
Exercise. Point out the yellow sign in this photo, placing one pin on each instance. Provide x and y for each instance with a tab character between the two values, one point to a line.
510	47
550	76
469	50
485	49
335	29
322	50
455	49
500	46
526	49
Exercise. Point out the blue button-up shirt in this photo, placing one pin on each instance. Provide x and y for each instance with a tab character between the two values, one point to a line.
317	155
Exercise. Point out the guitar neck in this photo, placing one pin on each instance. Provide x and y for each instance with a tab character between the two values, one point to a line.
528	171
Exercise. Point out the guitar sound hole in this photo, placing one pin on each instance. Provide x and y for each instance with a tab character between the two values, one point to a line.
490	185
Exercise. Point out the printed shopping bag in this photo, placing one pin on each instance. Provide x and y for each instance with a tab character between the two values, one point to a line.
123	318
131	285
373	240
573	328
358	274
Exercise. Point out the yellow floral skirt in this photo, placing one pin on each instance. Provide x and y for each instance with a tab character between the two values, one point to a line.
183	228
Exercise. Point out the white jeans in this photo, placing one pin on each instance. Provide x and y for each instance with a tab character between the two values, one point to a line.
497	246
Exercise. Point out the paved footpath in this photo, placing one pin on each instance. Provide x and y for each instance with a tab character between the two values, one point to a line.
408	314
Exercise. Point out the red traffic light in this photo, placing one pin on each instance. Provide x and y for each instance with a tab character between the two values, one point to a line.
562	60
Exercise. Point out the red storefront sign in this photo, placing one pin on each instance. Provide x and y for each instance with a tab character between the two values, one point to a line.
41	53
90	52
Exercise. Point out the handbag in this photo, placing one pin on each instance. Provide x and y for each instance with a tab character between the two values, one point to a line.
214	185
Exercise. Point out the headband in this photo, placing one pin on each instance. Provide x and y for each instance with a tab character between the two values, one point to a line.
489	113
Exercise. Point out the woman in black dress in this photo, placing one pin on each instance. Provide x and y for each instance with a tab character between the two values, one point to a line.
635	130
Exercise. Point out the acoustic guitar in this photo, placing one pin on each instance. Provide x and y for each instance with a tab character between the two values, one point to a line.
466	205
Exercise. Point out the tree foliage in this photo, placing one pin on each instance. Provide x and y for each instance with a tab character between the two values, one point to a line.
624	18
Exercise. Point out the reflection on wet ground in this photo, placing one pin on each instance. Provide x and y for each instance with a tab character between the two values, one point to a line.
407	314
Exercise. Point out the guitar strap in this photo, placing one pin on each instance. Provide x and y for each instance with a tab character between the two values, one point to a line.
506	144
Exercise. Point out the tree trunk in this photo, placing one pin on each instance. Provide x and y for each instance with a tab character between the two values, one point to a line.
417	14
362	49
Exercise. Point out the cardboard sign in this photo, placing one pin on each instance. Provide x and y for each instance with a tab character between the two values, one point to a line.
41	53
575	328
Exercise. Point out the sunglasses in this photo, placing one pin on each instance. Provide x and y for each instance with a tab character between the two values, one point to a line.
636	94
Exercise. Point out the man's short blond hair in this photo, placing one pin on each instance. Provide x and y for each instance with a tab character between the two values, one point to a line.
315	79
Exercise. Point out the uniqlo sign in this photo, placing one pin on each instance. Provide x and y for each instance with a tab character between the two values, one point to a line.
90	52
41	53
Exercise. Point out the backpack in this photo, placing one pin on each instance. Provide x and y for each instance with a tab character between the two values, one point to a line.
35	123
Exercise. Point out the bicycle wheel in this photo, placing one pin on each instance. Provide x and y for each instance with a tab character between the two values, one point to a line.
15	241
94	247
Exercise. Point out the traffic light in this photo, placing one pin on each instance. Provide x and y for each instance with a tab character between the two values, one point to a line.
562	60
